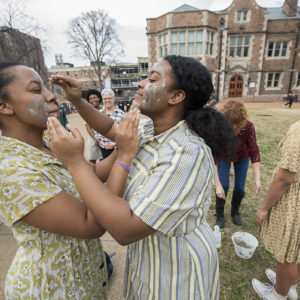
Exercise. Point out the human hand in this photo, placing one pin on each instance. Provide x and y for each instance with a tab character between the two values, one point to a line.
127	136
220	191
261	214
110	146
67	147
134	106
71	88
258	188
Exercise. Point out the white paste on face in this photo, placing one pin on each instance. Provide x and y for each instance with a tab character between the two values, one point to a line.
38	109
152	89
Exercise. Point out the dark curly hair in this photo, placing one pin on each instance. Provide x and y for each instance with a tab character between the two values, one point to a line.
93	92
6	76
195	80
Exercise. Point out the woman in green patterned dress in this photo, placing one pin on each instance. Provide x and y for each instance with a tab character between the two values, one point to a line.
60	255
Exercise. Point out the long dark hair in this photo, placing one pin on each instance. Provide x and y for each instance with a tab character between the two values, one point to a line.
6	77
195	80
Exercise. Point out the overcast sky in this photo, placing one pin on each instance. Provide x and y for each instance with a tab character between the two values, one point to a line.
130	16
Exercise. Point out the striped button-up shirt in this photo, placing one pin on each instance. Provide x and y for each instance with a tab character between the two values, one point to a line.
169	188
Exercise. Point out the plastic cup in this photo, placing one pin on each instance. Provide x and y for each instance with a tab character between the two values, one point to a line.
244	244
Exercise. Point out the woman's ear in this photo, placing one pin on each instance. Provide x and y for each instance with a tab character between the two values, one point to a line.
6	108
176	97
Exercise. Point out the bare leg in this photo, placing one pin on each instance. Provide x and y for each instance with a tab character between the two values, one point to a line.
286	275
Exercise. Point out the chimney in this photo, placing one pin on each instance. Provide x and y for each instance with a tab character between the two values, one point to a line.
56	60
290	7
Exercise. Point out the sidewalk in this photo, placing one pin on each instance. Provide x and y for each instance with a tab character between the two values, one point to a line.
8	245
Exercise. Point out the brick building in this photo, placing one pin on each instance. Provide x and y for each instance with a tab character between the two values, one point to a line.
122	78
250	50
86	74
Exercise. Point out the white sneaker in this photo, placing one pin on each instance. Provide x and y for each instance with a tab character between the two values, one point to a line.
261	289
293	295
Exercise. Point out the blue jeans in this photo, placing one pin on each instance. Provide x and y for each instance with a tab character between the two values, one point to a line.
240	175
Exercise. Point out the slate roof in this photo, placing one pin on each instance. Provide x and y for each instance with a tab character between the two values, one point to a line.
276	13
185	7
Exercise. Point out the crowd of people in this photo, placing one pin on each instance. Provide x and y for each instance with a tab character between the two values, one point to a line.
148	182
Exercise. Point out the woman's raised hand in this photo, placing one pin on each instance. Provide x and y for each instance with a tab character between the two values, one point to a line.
127	135
71	88
67	147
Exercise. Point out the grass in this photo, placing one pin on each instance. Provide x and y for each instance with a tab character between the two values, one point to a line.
236	273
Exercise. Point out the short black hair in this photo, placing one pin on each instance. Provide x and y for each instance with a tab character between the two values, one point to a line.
93	92
6	77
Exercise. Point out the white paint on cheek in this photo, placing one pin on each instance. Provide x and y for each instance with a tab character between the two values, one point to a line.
38	109
163	85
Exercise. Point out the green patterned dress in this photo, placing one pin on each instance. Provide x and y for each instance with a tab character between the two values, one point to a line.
46	265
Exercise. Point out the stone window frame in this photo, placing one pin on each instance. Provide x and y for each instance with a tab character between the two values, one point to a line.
181	42
242	46
163	41
273	80
280	56
210	42
194	42
240	15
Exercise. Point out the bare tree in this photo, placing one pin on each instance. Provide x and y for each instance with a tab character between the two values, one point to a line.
19	36
93	36
15	14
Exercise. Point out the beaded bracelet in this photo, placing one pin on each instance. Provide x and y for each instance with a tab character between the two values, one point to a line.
127	168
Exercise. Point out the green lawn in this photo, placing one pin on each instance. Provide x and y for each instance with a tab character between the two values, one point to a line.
236	273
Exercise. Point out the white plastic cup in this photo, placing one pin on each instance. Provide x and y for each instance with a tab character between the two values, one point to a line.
217	236
244	244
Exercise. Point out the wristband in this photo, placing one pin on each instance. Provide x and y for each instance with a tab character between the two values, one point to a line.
127	168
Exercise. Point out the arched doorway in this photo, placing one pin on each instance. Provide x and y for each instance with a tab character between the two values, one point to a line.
236	85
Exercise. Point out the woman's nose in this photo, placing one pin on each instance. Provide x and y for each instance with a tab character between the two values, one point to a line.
49	95
141	84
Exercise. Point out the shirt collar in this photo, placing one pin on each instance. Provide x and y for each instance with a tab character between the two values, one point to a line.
148	134
10	145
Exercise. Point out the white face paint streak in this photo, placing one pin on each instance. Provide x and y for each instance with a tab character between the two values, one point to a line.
38	110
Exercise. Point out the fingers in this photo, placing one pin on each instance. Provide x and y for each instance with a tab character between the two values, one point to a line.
257	191
221	195
64	81
51	128
126	123
55	128
133	118
137	119
75	132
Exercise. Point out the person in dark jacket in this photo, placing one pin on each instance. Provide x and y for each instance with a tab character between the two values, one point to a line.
291	99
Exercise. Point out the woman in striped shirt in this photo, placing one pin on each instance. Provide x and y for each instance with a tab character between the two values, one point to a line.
172	252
